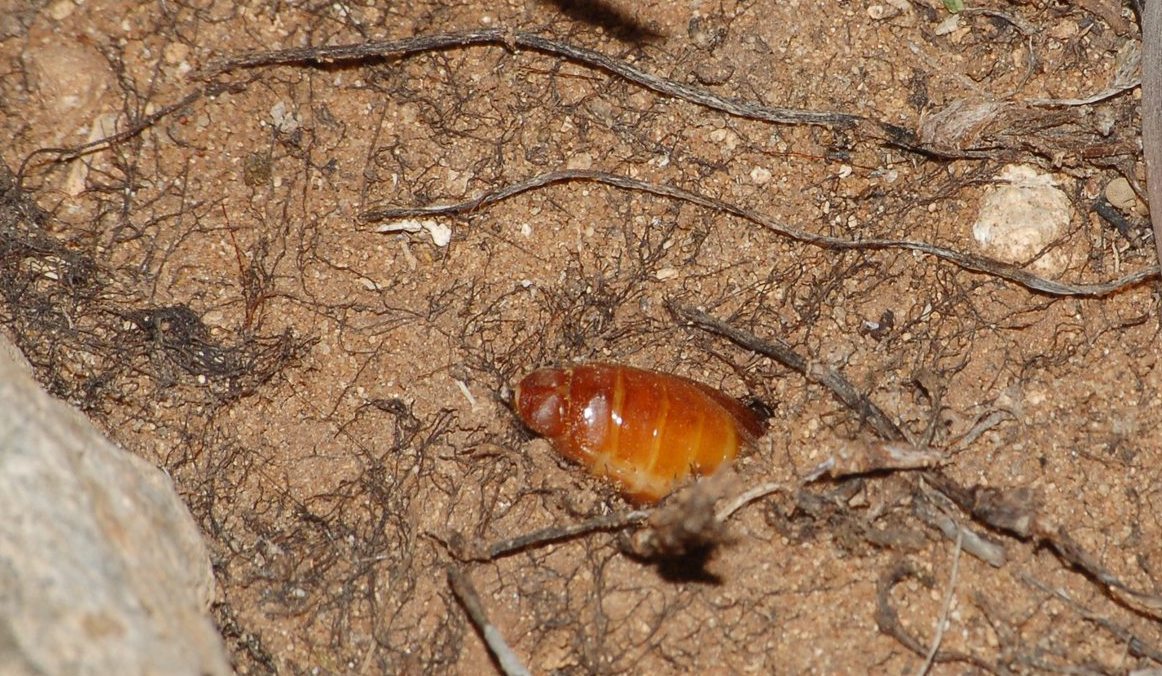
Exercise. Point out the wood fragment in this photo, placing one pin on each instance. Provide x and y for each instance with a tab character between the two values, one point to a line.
863	456
929	506
888	620
945	609
546	536
1136	646
971	262
506	659
783	353
514	40
1152	112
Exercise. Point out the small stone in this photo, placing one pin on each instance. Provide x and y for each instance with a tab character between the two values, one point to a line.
1122	196
285	120
949	25
724	138
760	175
706	33
1021	216
580	161
1063	30
175	53
59	11
713	72
71	81
440	233
457	183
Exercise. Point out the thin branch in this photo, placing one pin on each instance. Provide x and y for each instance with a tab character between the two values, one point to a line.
929	506
888	620
135	127
559	533
1152	112
945	610
506	659
967	261
1017	513
1012	512
514	40
783	353
748	496
1136	646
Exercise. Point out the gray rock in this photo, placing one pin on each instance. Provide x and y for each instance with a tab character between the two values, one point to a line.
102	568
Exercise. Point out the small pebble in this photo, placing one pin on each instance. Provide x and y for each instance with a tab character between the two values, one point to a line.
1020	216
1122	196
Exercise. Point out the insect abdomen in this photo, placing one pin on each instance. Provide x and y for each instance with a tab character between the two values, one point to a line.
646	431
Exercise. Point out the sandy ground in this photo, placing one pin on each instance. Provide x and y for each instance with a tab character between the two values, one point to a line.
330	398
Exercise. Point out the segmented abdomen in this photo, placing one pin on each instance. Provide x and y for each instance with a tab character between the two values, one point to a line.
647	431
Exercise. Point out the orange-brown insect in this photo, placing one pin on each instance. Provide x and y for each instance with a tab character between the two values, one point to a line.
646	431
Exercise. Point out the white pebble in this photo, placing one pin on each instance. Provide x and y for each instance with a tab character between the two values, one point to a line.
1020	216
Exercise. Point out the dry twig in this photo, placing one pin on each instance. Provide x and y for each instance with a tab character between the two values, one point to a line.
748	496
863	456
932	507
781	352
506	659
1016	512
889	623
1152	112
945	608
1136	646
514	40
967	261
552	534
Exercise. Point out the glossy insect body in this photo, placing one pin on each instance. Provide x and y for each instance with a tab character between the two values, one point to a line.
646	431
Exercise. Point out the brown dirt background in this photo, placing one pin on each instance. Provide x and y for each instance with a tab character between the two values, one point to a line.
328	398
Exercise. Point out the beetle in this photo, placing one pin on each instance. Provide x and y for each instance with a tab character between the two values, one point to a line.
646	431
